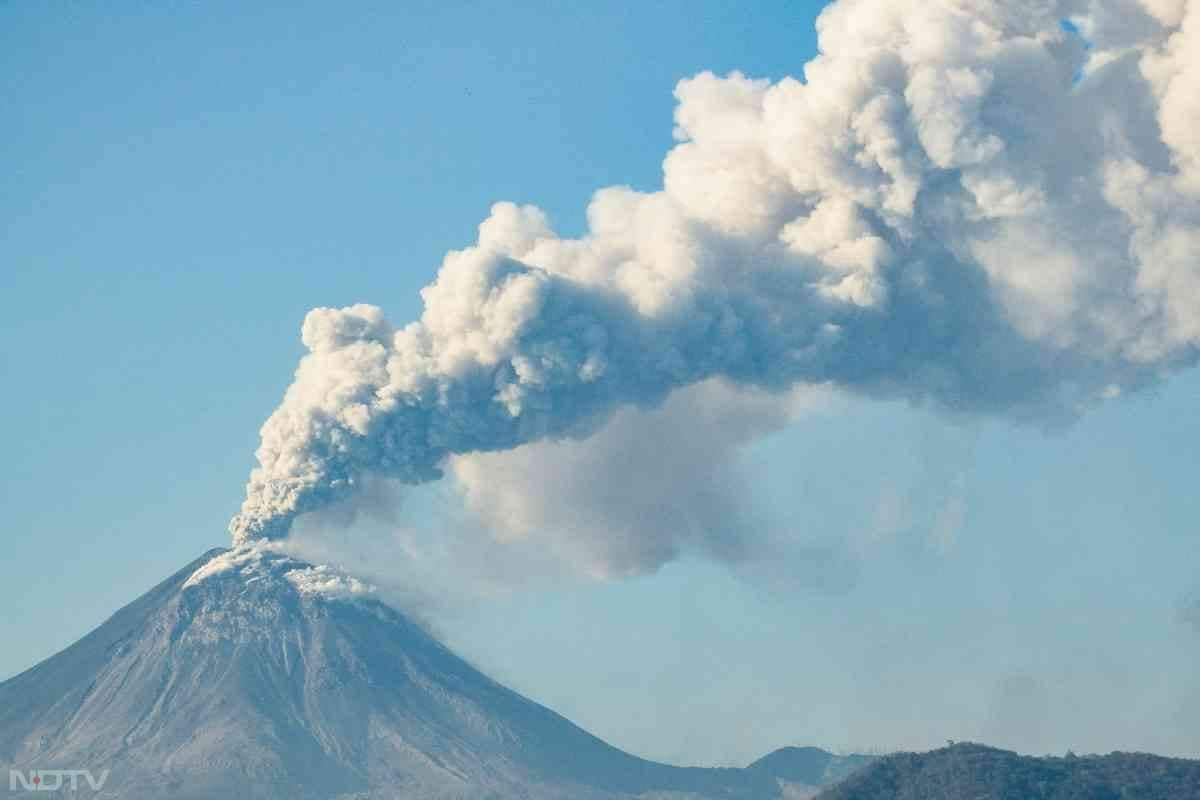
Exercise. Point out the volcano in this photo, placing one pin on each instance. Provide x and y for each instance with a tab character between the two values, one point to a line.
251	674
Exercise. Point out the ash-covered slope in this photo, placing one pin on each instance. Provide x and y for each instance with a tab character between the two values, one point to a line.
249	674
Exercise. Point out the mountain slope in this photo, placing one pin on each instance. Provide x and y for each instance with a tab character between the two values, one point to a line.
974	772
250	674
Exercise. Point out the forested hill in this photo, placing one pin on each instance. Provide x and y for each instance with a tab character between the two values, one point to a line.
975	772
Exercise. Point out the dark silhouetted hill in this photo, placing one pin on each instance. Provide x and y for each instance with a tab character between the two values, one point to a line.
975	772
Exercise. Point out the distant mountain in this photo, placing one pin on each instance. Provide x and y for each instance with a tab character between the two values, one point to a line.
255	676
974	772
808	766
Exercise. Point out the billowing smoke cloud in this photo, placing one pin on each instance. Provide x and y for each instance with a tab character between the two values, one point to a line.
990	206
647	487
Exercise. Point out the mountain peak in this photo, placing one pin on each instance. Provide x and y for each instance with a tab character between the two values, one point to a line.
254	563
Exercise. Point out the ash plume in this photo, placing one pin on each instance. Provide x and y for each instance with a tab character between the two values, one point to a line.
993	207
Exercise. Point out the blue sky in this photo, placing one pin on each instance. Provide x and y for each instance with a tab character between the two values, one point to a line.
183	183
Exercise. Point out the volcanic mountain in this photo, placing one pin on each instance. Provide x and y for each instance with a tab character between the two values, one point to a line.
253	675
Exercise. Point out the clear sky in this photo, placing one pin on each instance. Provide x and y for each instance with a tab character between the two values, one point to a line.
182	182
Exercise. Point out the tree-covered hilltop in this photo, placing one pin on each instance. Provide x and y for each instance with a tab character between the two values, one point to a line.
975	772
